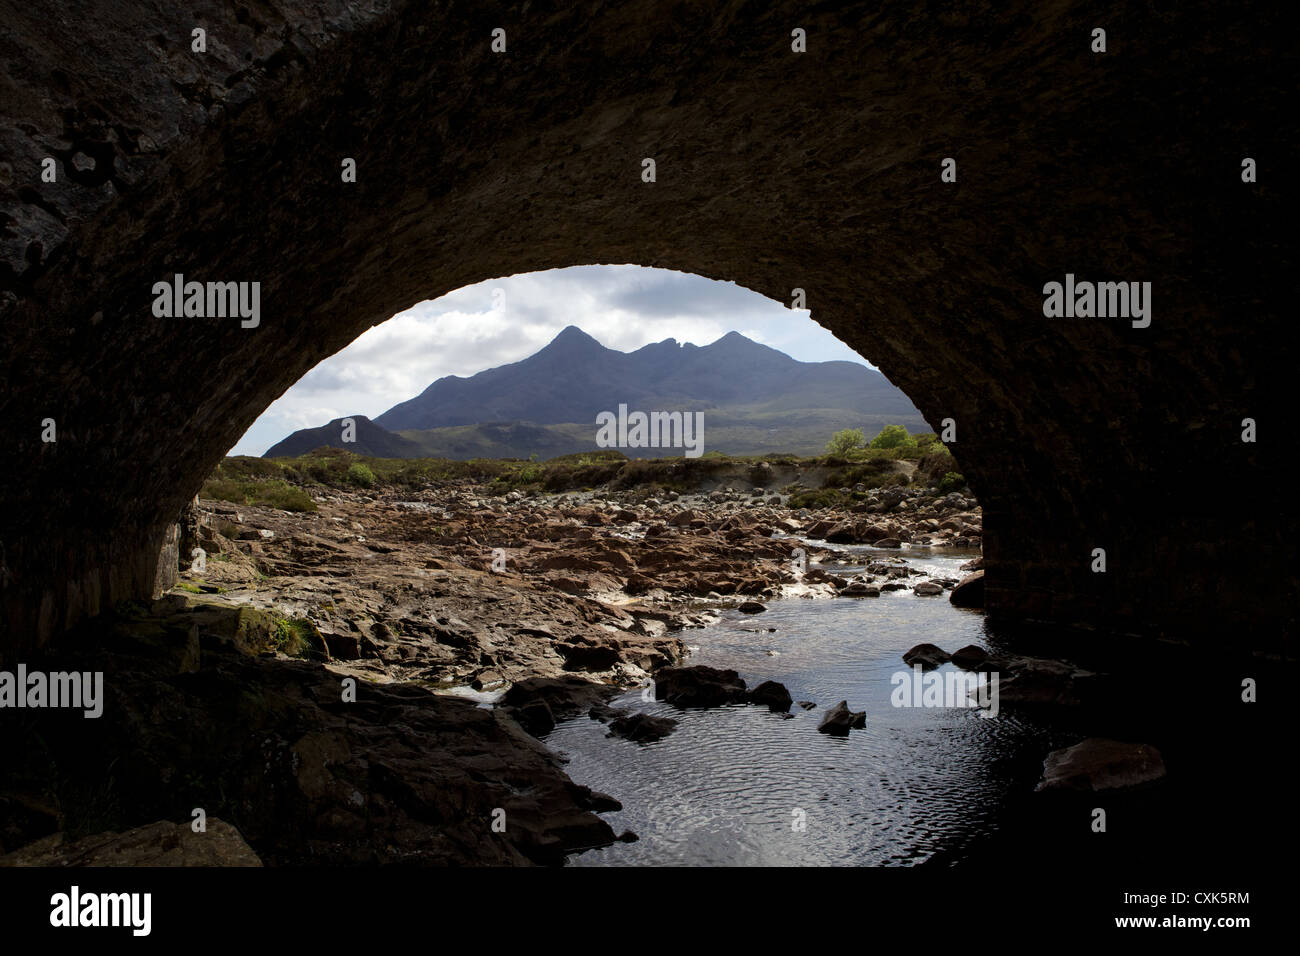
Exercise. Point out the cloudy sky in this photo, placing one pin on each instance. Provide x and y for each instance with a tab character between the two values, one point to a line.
622	307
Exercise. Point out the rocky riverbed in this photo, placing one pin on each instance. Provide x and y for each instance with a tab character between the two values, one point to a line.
450	586
231	692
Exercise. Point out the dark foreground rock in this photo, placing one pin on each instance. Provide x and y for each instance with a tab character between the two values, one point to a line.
773	695
839	720
279	749
699	686
1099	764
158	844
641	728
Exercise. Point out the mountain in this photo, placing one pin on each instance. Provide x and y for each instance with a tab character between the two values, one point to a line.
756	399
371	439
574	377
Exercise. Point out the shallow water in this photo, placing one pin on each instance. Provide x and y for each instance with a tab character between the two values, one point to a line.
730	785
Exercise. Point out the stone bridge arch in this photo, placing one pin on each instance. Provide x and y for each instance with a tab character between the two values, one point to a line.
817	170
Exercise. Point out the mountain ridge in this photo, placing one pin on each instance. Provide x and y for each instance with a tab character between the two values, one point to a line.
552	395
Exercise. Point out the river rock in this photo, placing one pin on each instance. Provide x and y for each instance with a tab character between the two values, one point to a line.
641	728
538	703
839	720
928	589
1100	764
751	607
773	694
698	686
971	657
860	589
969	592
927	655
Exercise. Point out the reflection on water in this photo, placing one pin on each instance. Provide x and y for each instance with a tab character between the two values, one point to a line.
728	785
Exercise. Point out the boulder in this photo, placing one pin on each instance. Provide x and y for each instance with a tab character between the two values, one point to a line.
928	589
842	533
860	589
561	697
887	543
751	607
1099	764
927	655
641	728
971	657
839	720
773	694
969	592
698	686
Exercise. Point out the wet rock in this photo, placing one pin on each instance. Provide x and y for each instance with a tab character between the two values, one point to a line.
605	713
1098	764
927	655
887	543
928	589
839	720
971	657
562	697
598	802
698	686
860	589
806	704
641	728
534	716
751	607
774	695
969	592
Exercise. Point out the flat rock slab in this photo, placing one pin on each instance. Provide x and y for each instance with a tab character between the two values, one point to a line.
1099	764
158	844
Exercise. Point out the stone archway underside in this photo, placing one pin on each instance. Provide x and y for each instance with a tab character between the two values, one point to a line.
777	170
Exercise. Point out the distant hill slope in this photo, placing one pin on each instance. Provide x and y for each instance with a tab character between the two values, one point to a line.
371	439
755	399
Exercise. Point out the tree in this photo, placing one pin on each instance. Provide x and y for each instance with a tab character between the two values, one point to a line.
843	442
891	436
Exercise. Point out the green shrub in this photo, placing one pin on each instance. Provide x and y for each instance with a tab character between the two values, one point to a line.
952	481
821	498
361	475
844	441
891	436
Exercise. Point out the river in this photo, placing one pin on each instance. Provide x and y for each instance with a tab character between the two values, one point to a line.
739	785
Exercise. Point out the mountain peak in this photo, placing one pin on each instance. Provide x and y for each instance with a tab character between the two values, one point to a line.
572	335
